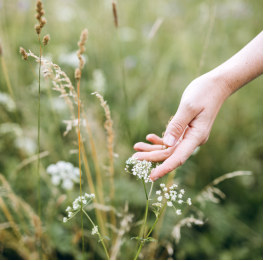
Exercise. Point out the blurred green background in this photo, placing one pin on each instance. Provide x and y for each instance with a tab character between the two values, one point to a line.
157	70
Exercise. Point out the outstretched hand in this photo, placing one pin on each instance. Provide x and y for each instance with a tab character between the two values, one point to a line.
189	128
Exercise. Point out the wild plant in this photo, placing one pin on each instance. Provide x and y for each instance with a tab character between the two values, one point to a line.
167	197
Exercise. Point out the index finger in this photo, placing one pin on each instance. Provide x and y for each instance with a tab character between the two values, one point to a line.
182	152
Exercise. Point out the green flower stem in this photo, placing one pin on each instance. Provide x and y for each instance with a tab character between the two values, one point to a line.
142	243
101	240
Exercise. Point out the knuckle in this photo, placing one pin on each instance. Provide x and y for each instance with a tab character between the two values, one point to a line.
167	170
181	161
190	107
205	139
176	127
167	153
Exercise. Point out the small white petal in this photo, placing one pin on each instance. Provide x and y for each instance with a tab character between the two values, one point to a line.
169	203
178	212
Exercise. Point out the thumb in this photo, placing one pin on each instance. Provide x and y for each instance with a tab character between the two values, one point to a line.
178	124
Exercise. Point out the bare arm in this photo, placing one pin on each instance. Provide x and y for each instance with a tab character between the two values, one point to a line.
199	106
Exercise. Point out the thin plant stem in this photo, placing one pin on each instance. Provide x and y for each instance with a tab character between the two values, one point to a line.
142	243
79	143
7	78
123	83
100	237
145	188
142	230
33	70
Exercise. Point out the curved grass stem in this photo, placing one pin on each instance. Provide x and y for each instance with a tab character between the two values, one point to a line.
100	237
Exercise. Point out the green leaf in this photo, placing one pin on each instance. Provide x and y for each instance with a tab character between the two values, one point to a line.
101	238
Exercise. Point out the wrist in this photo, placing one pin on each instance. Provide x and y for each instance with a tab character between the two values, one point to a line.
219	78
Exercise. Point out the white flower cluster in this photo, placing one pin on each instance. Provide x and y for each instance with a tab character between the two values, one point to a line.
141	169
65	172
172	196
77	204
7	102
95	230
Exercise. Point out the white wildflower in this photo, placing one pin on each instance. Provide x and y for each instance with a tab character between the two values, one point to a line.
140	168
64	219
178	212
182	191
167	196
159	205
173	198
95	230
189	202
70	214
165	189
67	184
65	172
180	196
162	185
76	206
180	201
68	209
159	198
158	192
169	203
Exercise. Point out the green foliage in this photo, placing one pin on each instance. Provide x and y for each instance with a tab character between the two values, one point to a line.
157	72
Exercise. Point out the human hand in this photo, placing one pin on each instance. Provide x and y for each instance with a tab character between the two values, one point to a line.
189	128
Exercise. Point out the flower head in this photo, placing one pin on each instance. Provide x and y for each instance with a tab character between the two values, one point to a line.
95	230
178	212
169	203
140	168
182	191
63	172
78	204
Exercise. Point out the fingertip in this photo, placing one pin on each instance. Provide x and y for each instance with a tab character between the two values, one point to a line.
149	136
169	140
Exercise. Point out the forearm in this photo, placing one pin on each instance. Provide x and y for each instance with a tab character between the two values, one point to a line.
242	68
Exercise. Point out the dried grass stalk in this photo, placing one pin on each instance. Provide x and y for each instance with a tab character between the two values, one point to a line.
61	83
110	140
125	226
209	191
176	232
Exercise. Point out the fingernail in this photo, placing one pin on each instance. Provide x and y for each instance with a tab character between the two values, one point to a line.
169	140
156	178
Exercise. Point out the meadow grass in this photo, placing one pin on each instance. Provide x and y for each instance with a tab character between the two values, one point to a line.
192	39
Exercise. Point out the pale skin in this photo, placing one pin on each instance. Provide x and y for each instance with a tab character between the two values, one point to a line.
199	106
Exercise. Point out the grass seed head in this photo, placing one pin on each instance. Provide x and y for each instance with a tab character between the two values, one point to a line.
23	53
46	39
37	28
77	74
42	22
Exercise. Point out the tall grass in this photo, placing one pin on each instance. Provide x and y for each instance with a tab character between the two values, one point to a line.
156	74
